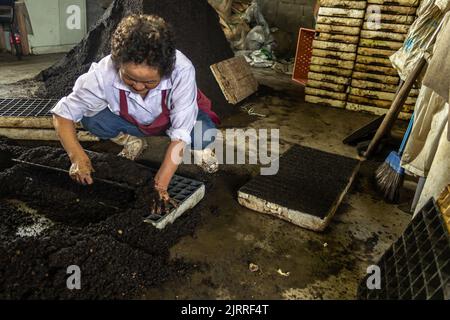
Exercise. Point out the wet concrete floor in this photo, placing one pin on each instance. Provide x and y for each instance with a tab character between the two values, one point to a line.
292	263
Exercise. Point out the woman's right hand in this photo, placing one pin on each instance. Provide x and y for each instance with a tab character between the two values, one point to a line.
81	170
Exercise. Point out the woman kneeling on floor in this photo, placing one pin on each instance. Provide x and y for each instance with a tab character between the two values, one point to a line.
145	87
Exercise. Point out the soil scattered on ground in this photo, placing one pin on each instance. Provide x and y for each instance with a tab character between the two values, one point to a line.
98	228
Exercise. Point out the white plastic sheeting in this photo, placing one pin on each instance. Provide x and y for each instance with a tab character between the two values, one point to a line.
430	13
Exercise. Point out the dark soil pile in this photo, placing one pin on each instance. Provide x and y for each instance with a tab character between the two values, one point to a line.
60	78
99	228
198	35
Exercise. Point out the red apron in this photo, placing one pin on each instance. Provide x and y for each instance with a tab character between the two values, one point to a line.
162	122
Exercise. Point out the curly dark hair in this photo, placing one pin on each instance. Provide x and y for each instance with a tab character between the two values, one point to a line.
145	38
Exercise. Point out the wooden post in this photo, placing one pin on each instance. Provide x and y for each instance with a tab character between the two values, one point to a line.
20	15
2	39
42	134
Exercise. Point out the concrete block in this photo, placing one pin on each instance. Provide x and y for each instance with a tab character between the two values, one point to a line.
306	191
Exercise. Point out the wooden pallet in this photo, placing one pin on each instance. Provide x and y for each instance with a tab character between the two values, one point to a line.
235	79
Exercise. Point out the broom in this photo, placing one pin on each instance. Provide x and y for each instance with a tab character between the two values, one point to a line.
389	176
401	95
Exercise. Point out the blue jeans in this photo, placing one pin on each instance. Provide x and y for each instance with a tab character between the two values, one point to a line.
107	125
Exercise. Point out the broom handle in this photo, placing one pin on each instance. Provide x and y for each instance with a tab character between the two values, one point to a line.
400	97
406	136
396	106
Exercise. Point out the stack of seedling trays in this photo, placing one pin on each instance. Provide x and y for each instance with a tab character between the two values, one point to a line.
374	80
417	265
30	119
334	51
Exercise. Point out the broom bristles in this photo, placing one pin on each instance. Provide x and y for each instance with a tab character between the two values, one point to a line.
389	176
389	182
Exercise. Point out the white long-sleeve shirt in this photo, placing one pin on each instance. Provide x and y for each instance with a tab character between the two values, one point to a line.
99	88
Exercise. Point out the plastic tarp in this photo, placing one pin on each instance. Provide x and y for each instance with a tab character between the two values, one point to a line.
429	14
259	36
430	120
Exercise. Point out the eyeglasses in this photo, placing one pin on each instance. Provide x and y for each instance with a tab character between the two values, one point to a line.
131	82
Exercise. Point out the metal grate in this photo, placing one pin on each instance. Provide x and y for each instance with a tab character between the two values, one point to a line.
181	189
11	107
417	266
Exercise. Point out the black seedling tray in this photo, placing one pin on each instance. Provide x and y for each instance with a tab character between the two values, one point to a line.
417	265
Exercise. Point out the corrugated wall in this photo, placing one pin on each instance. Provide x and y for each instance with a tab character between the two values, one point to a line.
350	67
